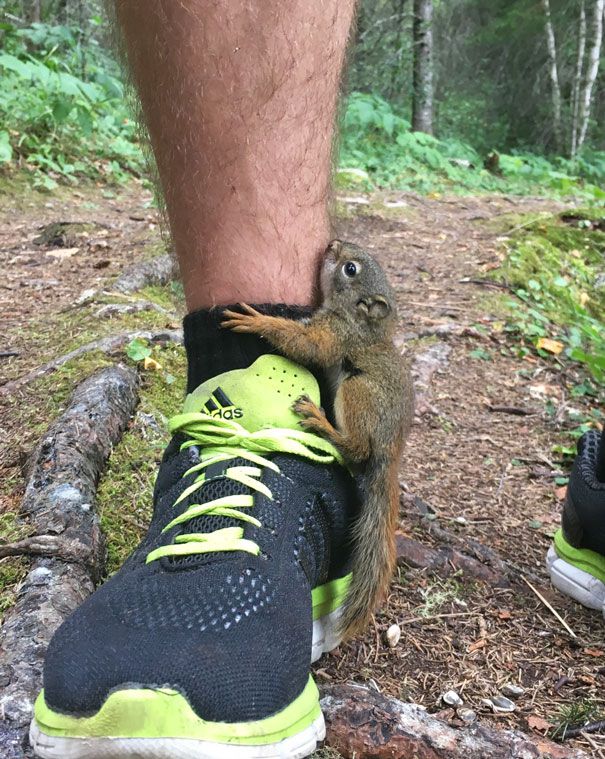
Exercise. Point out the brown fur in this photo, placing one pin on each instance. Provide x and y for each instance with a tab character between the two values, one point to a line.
350	336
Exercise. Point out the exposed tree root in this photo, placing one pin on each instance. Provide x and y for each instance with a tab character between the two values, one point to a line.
446	560
364	724
59	504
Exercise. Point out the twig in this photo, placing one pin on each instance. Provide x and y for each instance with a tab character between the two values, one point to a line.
485	283
514	410
591	727
592	743
105	345
549	607
47	545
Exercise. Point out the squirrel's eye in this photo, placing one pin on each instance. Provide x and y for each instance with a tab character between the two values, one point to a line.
349	269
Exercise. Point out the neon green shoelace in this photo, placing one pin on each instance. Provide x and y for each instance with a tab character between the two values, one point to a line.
221	440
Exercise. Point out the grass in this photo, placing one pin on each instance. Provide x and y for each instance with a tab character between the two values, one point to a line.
575	714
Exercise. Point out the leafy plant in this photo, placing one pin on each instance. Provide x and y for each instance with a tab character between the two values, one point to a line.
553	268
62	108
376	140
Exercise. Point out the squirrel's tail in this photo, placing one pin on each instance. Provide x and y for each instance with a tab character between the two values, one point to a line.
373	542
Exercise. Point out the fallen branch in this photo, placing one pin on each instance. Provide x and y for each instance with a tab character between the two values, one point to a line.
119	309
364	724
59	504
591	727
103	344
47	545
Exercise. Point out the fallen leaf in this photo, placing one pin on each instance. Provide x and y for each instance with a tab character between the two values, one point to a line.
586	679
481	643
594	652
552	346
561	492
584	298
151	363
538	723
504	614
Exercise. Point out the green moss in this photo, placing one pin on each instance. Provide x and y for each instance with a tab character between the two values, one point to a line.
126	489
168	296
12	573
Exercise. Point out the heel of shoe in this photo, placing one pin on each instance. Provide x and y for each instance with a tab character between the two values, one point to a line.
575	581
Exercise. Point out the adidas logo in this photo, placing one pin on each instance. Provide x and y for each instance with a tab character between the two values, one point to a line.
220	405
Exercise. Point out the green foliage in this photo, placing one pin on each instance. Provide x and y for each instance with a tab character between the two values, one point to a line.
376	139
556	270
62	108
138	350
577	713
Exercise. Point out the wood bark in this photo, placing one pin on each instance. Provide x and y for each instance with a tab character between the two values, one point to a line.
592	69
364	724
422	106
59	505
553	71
577	83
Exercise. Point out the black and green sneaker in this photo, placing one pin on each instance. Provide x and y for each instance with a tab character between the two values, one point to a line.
200	645
576	559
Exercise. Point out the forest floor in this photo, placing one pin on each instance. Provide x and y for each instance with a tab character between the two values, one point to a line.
481	474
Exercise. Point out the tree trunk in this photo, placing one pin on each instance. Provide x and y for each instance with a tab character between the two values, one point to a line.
422	109
594	57
577	83
554	74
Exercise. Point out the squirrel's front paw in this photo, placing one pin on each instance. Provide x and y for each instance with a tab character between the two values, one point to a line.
250	321
305	407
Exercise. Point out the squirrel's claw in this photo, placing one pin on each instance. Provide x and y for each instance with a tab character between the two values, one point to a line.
241	322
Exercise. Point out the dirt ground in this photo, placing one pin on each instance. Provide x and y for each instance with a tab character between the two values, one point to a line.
486	475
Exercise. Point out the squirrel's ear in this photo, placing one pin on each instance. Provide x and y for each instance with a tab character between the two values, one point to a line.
378	308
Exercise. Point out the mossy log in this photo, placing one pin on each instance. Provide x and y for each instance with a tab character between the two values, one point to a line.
59	506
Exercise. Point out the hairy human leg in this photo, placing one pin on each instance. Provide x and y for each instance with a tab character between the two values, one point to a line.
240	102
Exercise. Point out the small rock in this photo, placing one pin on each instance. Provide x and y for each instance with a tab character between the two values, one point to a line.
512	690
499	704
460	520
393	634
467	715
85	296
451	698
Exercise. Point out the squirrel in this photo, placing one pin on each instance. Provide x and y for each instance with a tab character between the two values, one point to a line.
350	337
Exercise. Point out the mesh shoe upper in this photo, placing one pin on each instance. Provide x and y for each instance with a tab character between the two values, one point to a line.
228	629
584	509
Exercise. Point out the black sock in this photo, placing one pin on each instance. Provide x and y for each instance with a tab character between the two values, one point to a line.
212	350
601	458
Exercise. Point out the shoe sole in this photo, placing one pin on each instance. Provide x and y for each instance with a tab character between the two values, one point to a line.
53	747
327	611
149	723
577	573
